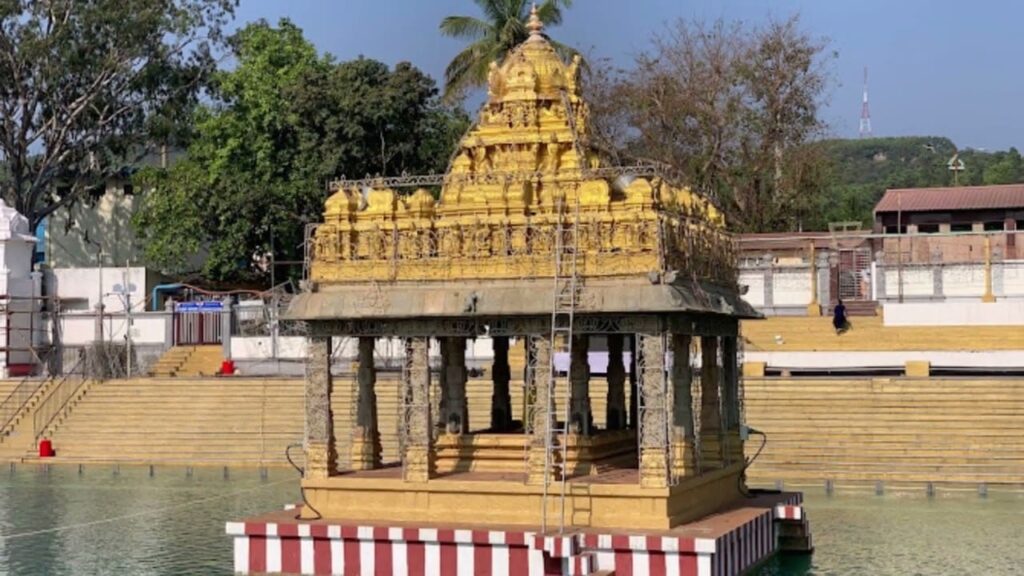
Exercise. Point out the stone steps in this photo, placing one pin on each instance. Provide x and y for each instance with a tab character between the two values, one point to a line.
870	334
894	429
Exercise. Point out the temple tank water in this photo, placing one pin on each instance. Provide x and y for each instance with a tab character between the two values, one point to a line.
124	520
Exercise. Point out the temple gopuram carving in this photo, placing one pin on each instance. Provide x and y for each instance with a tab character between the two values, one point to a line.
539	248
523	165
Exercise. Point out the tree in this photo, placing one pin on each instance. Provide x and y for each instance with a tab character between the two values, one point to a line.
283	123
503	28
88	87
733	108
1004	169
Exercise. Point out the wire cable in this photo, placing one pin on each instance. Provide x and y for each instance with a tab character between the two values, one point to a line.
741	479
302	473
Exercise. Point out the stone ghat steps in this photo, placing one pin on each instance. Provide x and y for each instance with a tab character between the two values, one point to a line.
189	361
867	474
894	417
198	461
893	429
6	387
1006	402
934	452
845	388
867	435
870	334
236	419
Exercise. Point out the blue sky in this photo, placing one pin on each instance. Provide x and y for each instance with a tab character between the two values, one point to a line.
937	67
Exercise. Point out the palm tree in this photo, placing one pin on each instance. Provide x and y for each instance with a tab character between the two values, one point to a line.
504	27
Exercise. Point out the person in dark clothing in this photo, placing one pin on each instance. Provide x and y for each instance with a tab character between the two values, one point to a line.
839	317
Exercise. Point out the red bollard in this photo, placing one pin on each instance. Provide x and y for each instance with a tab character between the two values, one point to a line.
227	367
46	449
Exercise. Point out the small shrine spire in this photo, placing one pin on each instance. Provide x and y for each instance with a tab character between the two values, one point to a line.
534	25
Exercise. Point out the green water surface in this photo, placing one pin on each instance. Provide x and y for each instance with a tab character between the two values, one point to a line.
132	523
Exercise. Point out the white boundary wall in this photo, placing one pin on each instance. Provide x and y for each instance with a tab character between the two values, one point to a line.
955	313
1001	359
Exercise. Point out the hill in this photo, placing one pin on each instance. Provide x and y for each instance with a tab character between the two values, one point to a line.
859	171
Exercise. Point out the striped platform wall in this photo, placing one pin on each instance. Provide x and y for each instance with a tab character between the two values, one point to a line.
321	549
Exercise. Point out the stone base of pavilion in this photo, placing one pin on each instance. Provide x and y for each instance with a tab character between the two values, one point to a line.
613	499
387	528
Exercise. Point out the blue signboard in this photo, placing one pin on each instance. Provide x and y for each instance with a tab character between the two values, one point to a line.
204	306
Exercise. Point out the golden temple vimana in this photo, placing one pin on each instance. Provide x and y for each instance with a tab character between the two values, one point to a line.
524	165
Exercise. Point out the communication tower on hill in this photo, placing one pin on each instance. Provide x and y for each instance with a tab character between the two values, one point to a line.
865	112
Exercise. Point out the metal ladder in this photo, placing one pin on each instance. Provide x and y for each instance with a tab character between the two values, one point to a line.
563	311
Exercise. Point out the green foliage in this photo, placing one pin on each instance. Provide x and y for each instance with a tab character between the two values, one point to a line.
503	28
86	88
283	123
860	171
733	107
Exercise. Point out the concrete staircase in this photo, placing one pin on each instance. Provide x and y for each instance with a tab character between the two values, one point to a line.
189	361
942	430
869	334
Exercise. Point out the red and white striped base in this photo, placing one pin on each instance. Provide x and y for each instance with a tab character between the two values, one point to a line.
293	547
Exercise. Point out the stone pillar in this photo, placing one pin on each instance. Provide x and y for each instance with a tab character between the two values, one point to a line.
501	397
440	399
579	381
418	460
938	288
225	327
769	284
731	400
168	324
710	409
880	289
456	407
543	411
988	296
635	353
321	457
813	307
683	459
98	327
366	449
654	442
615	415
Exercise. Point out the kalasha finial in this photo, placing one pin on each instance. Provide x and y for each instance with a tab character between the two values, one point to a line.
534	25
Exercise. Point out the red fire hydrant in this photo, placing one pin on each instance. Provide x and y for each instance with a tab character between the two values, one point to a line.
46	449
227	367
